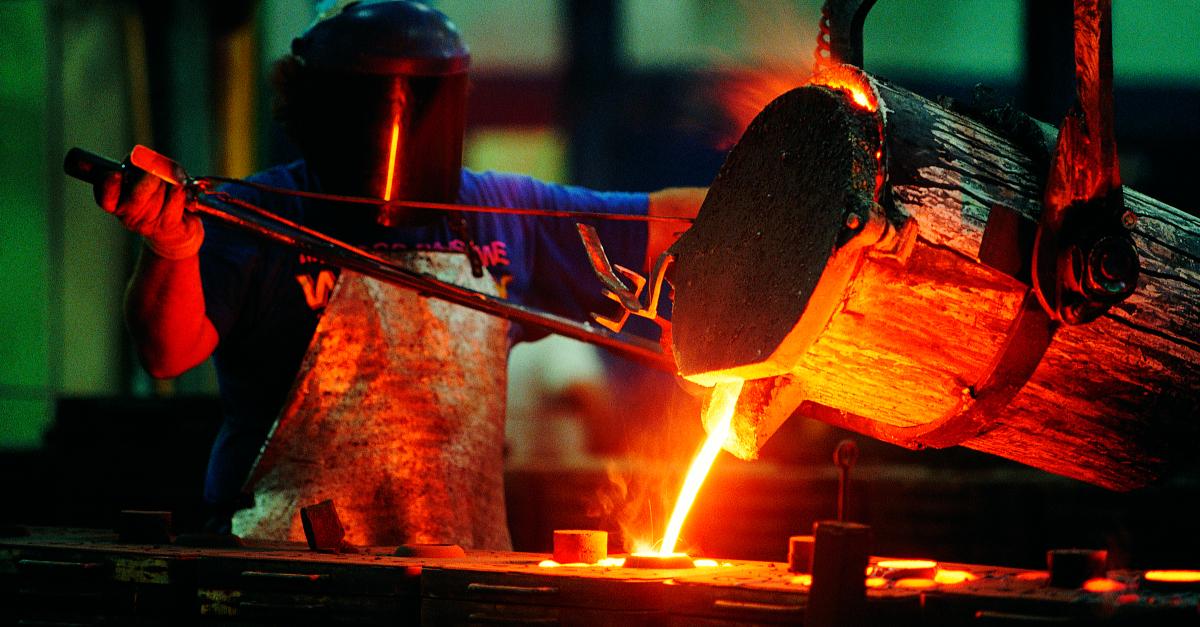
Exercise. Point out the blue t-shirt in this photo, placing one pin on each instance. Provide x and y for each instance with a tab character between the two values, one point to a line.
265	299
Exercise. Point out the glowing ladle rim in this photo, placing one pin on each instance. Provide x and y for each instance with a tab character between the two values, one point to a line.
657	560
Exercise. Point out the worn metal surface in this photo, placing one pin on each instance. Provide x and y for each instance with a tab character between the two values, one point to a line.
1084	260
397	416
759	272
279	583
938	343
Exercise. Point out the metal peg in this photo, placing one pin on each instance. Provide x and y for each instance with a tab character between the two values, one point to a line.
844	456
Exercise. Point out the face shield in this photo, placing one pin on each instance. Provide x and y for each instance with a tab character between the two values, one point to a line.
378	105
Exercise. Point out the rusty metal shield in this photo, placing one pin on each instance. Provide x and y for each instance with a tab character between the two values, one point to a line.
397	415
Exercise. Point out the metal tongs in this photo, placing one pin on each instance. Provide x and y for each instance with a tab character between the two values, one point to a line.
205	199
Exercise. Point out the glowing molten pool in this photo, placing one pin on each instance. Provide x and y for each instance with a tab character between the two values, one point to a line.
1173	576
1103	585
853	82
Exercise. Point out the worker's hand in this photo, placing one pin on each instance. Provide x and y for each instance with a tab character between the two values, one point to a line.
673	202
152	208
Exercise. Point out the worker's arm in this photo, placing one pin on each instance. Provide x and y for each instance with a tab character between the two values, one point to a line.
164	303
673	202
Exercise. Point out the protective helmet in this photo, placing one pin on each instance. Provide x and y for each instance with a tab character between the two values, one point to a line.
380	109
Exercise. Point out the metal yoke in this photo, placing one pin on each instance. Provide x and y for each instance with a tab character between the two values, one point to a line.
1084	261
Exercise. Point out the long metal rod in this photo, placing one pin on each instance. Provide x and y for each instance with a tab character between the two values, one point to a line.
437	206
248	217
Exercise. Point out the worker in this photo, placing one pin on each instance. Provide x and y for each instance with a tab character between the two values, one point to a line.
373	94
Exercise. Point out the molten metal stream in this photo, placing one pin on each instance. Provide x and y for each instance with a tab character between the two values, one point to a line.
720	418
391	167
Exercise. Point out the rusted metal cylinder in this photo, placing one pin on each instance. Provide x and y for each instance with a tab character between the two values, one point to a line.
800	552
573	546
870	269
839	592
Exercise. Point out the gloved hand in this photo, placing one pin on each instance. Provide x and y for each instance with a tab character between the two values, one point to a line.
152	208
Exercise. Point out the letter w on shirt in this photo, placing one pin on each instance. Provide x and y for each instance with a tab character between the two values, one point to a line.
316	292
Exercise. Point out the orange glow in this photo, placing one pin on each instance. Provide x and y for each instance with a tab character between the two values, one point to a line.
916	583
853	82
951	577
703	563
1173	576
905	564
1036	575
746	93
802	580
391	171
904	569
876	582
1103	585
608	562
720	416
856	85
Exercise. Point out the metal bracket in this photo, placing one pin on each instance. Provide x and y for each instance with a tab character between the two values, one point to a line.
629	299
1084	261
840	39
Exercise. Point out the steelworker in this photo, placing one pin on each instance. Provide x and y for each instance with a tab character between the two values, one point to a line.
374	95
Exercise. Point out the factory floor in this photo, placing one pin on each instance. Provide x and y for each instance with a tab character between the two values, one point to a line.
953	505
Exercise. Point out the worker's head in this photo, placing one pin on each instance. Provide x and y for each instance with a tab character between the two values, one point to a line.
374	94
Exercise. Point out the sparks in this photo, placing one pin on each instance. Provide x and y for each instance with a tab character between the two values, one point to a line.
853	83
720	416
391	171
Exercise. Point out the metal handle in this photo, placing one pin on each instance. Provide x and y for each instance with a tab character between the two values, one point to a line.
270	576
88	166
488	588
52	565
289	609
729	604
987	617
481	618
240	214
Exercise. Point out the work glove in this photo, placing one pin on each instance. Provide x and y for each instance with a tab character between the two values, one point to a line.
152	208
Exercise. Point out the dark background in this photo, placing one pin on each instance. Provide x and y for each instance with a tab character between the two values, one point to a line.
128	442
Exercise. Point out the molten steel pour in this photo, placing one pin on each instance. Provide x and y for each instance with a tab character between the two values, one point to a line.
720	416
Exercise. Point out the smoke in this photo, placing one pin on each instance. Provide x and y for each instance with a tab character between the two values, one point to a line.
630	507
636	500
781	40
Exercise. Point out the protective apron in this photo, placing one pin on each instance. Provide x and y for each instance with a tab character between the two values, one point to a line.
397	415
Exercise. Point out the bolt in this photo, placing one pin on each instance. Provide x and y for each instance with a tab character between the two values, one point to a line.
844	456
1111	265
1129	219
853	221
